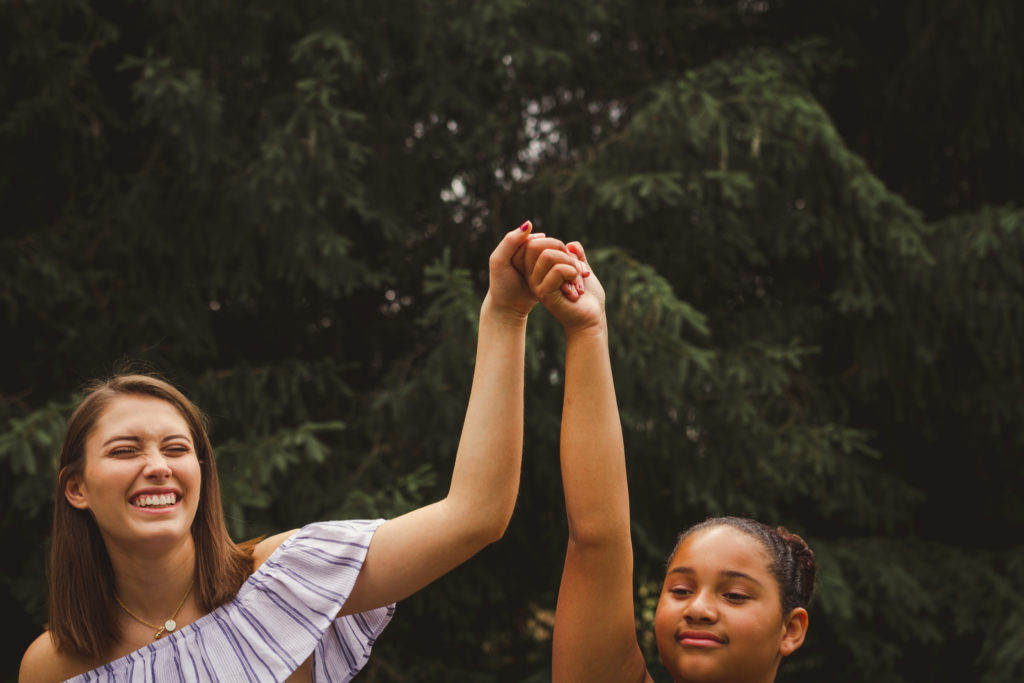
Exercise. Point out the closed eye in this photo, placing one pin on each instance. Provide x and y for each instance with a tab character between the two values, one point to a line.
736	597
680	591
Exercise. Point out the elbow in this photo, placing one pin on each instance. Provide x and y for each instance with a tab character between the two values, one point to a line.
491	536
603	549
492	530
599	535
582	539
482	527
478	520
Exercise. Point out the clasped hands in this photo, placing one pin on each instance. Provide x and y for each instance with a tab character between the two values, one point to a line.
559	276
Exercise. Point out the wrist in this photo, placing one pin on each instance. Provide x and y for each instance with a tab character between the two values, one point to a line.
505	315
593	330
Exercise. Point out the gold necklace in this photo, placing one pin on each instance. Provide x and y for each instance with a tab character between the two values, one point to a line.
169	625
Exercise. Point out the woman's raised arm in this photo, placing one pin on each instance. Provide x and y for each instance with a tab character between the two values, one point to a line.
410	551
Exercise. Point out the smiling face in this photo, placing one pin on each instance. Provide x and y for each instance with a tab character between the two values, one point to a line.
719	617
141	477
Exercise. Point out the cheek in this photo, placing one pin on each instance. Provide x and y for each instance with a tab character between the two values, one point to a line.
190	470
664	620
108	476
192	476
763	630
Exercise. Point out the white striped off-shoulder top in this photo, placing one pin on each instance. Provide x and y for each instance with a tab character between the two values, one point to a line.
283	612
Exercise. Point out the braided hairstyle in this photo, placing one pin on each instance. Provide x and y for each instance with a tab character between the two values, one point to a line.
792	561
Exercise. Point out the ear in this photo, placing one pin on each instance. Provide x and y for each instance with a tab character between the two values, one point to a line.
75	492
794	631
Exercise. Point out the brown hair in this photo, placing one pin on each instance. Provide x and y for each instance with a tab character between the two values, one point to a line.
82	606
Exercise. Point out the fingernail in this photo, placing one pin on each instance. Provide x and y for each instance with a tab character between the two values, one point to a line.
574	249
536	235
525	226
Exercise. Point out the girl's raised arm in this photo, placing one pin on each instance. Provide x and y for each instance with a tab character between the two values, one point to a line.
595	632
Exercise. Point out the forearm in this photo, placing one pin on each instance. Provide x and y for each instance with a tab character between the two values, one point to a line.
485	479
595	636
593	454
410	551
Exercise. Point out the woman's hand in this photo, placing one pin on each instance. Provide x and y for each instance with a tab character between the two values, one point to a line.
509	293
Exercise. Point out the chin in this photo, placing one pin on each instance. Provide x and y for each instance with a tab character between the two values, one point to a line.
692	672
161	532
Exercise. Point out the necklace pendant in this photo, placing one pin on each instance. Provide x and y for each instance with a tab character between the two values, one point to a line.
169	625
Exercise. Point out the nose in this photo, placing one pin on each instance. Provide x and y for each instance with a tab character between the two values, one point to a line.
701	609
156	466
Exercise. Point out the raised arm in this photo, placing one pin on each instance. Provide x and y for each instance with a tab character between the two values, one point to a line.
410	551
595	632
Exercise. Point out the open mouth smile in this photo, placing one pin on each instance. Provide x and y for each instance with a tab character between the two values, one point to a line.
155	500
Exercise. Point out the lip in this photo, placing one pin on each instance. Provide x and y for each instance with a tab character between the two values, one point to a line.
700	639
156	491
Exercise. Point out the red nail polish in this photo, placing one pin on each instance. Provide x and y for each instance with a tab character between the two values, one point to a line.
525	226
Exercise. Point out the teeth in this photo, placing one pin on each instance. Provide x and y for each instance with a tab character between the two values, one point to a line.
160	500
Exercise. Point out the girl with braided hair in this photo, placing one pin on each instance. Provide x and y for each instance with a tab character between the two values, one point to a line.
734	599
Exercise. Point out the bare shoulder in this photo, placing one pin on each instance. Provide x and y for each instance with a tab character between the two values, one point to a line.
267	546
44	663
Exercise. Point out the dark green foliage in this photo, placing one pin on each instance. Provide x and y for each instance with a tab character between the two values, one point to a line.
806	215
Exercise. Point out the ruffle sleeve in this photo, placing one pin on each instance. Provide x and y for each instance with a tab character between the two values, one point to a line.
283	613
303	585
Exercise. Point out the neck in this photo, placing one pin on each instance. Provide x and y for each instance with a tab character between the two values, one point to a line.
766	677
152	583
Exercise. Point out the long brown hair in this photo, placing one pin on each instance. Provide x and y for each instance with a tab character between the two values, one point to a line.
83	611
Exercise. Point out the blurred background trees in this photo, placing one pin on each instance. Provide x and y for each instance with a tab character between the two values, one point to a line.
806	215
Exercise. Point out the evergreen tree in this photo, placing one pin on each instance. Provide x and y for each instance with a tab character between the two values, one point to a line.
804	214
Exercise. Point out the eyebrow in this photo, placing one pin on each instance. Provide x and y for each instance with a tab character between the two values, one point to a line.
138	440
730	573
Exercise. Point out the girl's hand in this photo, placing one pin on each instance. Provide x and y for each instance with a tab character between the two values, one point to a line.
548	266
572	285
